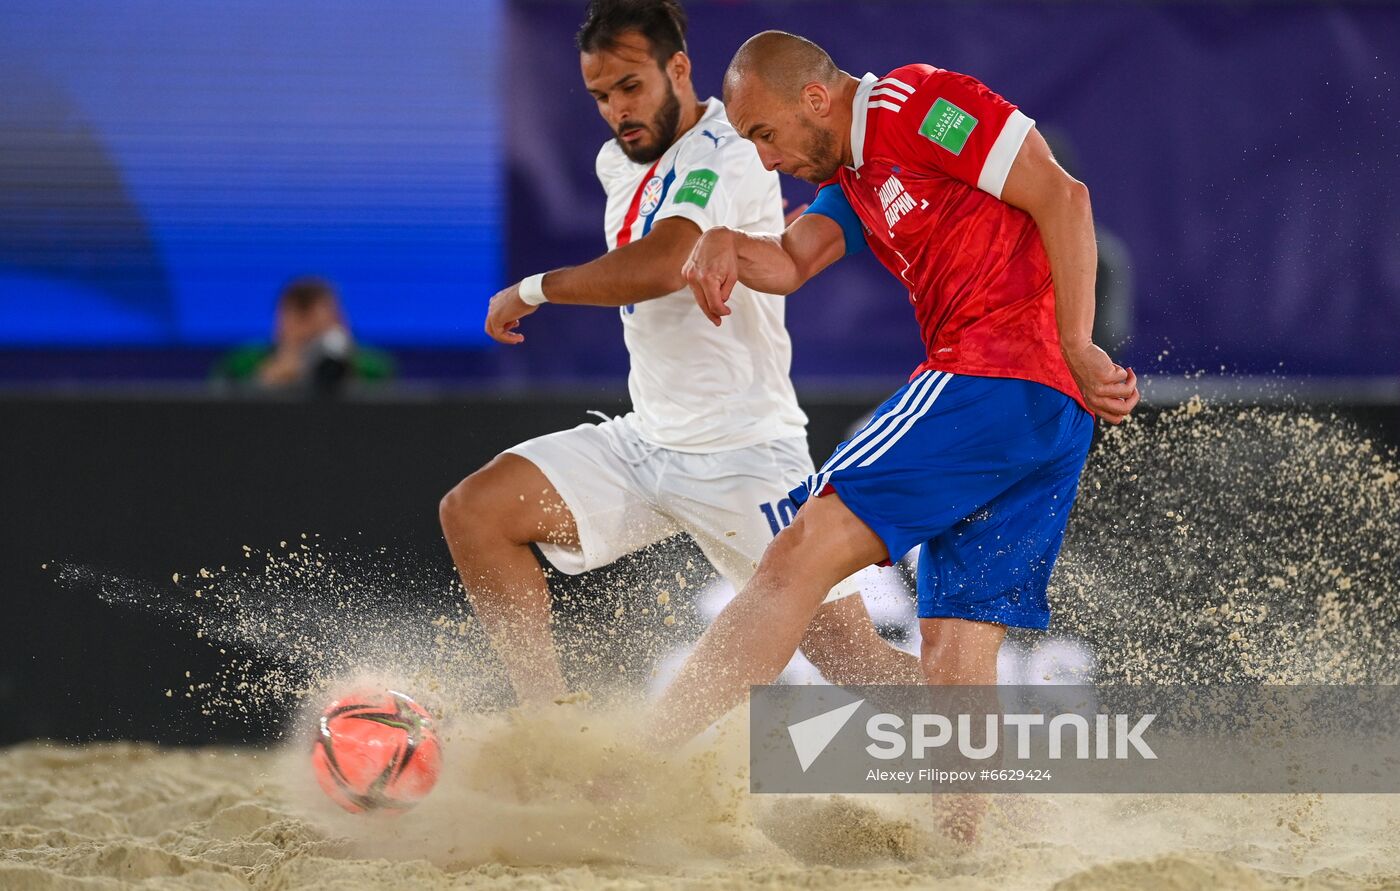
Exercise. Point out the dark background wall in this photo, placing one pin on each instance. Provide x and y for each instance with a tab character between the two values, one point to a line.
140	489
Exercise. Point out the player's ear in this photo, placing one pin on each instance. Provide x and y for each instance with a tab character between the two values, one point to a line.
817	99
678	68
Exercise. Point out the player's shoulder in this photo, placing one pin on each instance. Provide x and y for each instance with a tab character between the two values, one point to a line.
921	77
902	102
713	142
905	88
891	100
908	79
610	161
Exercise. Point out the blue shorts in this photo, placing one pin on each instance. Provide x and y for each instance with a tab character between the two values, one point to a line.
980	471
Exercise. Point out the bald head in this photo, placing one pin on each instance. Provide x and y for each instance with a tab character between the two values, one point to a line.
785	95
783	63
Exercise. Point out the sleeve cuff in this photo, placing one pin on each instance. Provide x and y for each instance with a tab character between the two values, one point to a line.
1003	153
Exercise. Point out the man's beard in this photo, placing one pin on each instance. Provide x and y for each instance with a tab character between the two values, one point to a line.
663	126
821	149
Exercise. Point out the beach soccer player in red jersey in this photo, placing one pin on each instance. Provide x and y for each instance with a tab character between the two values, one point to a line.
978	457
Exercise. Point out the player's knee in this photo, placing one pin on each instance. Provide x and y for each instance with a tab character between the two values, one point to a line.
454	508
931	649
807	550
785	547
940	652
787	559
959	653
798	544
467	511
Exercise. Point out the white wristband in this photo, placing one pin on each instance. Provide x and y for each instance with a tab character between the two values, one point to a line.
532	290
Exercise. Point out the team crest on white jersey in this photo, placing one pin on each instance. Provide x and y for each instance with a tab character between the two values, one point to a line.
651	196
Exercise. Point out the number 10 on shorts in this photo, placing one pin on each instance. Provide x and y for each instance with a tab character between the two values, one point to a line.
779	516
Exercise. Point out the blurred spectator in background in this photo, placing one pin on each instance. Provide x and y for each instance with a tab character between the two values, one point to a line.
312	346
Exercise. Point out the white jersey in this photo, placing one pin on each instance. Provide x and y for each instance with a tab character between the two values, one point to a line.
696	387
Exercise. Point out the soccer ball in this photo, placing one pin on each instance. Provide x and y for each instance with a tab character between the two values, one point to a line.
376	751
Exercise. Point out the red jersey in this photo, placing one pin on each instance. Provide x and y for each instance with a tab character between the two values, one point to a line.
932	150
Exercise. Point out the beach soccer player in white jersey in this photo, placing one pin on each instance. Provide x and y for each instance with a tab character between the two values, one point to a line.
715	439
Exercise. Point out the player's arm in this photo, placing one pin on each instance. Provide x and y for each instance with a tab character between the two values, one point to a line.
1059	204
966	131
642	270
772	264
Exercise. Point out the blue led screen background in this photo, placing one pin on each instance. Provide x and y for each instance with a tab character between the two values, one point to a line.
164	166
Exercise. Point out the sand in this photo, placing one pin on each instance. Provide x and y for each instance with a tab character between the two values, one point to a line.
1208	546
127	815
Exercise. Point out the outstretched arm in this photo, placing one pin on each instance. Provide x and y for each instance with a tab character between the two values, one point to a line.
773	264
1059	204
643	270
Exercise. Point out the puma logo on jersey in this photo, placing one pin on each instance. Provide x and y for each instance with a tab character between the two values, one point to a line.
895	201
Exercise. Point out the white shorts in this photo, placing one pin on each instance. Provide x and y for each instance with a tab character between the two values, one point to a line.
626	493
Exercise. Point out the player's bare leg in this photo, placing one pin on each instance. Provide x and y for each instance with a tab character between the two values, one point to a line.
756	634
961	652
489	520
845	647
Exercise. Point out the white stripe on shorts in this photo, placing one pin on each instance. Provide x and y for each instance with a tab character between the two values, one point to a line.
909	423
889	424
877	425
